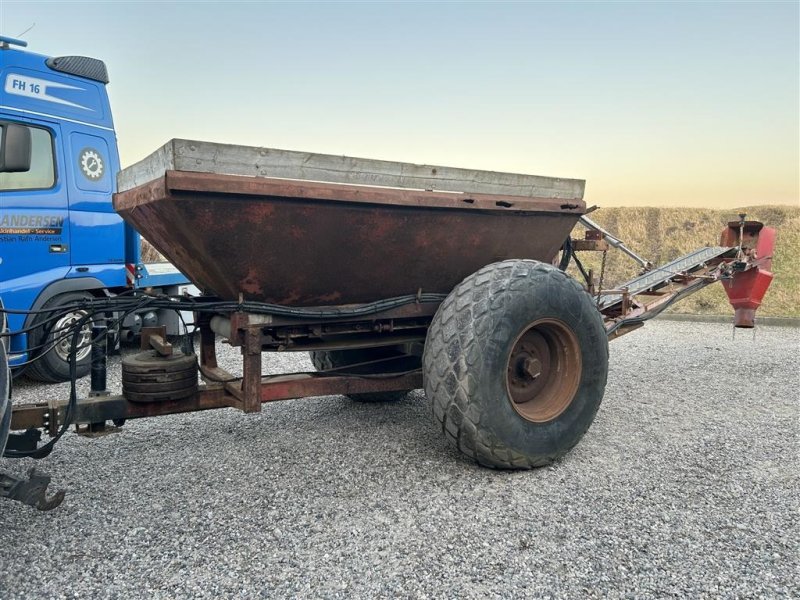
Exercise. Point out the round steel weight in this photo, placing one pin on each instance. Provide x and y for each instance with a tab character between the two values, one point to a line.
150	377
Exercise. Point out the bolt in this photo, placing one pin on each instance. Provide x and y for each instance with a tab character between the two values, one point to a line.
533	367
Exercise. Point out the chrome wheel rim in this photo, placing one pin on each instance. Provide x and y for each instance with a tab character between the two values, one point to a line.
63	331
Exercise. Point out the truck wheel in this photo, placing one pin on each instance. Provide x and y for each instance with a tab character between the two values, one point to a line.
53	367
333	359
5	389
515	364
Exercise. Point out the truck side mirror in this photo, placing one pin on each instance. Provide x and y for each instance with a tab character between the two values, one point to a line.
15	148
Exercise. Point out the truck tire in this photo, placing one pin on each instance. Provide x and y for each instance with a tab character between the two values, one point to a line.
5	389
515	364
333	359
53	367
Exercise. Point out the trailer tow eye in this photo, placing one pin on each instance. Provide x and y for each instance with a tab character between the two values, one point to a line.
31	491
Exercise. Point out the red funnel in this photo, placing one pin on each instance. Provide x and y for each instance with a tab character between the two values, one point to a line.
747	288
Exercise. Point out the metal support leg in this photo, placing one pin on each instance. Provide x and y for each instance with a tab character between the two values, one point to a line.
208	354
98	378
251	379
98	373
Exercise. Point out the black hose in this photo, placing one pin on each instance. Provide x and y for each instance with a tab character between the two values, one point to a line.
566	254
44	450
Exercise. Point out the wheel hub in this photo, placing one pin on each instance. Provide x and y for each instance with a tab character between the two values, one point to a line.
531	367
544	370
63	332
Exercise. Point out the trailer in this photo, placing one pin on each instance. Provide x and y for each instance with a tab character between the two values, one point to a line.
393	277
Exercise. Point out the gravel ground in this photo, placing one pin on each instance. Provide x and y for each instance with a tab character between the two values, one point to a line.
686	485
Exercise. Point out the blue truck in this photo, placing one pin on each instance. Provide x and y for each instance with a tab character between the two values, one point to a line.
60	239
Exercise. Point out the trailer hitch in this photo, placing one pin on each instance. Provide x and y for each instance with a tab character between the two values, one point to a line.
31	490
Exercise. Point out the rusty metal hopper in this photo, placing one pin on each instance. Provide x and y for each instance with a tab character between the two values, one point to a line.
244	227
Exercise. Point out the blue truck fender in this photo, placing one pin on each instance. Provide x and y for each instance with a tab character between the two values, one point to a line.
62	286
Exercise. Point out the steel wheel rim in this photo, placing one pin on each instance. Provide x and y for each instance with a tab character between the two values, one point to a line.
63	329
543	370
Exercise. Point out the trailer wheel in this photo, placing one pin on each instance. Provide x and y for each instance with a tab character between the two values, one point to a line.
341	359
53	367
515	364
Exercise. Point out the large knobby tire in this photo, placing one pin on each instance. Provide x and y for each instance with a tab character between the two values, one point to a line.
341	359
53	367
515	364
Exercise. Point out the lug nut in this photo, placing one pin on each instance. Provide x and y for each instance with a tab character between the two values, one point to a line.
533	367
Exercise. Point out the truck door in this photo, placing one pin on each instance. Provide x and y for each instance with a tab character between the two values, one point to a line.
34	220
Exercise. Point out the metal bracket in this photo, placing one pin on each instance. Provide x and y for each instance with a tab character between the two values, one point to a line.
27	441
616	243
590	245
31	491
156	338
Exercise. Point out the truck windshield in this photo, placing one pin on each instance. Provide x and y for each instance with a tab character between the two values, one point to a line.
42	171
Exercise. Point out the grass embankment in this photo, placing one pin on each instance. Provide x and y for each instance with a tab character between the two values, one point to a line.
663	234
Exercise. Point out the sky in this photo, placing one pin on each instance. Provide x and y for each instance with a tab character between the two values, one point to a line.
654	104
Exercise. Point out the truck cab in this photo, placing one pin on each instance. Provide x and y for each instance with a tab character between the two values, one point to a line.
60	239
